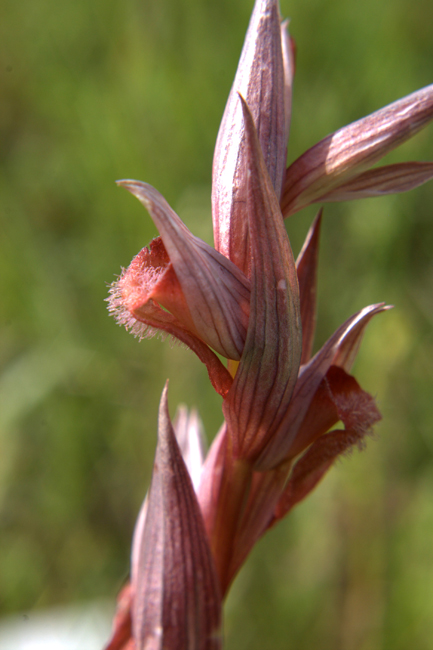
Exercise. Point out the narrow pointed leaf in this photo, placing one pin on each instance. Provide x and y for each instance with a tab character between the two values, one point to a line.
177	604
264	382
306	267
260	79
390	179
353	149
336	351
216	292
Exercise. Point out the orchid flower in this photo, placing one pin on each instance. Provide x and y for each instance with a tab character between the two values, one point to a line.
249	301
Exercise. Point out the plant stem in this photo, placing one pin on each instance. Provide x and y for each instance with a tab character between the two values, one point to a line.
232	497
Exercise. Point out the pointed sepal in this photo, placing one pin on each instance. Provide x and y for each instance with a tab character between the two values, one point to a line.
340	350
176	599
358	412
215	292
390	179
262	80
306	267
265	379
350	151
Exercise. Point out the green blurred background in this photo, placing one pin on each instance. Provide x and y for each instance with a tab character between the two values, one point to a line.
93	91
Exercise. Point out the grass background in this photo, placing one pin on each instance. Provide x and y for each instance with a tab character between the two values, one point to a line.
96	91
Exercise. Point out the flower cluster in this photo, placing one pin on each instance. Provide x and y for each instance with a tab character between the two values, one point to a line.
248	300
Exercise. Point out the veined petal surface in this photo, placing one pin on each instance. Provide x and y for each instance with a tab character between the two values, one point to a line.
358	412
353	149
265	379
389	179
176	599
338	350
262	80
215	290
147	319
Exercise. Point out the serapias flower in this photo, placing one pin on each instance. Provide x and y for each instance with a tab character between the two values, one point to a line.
250	302
206	295
288	464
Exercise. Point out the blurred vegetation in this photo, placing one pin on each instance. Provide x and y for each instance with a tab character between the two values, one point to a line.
101	90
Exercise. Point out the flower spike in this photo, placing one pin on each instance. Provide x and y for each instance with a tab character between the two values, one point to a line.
248	301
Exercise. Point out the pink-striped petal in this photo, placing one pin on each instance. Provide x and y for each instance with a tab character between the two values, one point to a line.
265	379
260	79
353	149
390	179
288	50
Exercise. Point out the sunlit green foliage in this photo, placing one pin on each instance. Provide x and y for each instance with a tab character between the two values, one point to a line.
96	91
